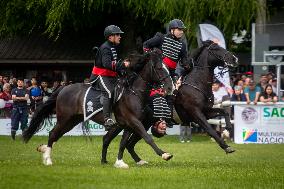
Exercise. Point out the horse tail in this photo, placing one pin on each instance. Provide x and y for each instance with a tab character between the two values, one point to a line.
42	112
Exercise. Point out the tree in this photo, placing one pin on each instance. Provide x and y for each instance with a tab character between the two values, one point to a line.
54	17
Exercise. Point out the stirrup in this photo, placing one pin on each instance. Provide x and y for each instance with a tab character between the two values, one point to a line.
108	124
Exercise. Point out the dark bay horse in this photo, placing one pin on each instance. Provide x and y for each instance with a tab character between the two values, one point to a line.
193	102
128	110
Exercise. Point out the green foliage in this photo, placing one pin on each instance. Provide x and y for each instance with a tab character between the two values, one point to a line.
199	164
55	16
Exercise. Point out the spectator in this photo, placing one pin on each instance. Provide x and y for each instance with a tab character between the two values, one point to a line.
185	133
5	80
6	96
35	95
239	83
252	92
270	76
13	83
44	88
20	95
238	95
56	85
220	93
263	82
268	95
246	82
273	83
28	84
46	92
64	83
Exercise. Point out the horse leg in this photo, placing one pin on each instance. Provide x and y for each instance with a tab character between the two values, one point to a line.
57	132
140	130
201	120
130	147
110	135
214	112
119	162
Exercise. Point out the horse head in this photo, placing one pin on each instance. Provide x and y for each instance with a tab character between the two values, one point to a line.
218	56
151	69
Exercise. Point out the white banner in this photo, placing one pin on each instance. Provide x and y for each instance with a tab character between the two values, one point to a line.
211	32
95	128
261	124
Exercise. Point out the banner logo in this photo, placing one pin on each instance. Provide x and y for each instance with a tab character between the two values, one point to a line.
249	115
250	135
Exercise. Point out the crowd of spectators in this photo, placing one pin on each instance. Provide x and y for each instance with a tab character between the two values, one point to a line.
244	89
39	91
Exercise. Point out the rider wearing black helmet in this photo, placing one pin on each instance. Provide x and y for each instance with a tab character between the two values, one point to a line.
106	69
174	51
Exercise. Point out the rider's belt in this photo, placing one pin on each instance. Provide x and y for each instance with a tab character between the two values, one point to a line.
103	72
170	63
157	91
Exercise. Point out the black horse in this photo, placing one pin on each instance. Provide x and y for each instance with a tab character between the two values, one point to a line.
128	112
193	103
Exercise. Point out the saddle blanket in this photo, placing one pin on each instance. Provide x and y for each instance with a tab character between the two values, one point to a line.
93	101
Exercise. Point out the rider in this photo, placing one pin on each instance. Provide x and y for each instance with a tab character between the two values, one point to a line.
174	51
106	69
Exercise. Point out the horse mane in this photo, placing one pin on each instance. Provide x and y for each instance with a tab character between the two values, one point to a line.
196	52
138	61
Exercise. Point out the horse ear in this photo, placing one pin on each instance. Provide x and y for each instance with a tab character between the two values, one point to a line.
207	43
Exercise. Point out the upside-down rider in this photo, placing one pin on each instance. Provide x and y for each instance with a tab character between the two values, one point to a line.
174	52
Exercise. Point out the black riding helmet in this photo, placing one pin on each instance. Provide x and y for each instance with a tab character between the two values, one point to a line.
176	23
111	30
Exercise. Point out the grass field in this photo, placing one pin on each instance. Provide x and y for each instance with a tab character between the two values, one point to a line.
199	164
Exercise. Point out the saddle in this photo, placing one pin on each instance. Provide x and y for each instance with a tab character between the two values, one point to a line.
93	99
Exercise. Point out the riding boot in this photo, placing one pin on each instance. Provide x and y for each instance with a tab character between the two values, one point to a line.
107	114
171	122
13	135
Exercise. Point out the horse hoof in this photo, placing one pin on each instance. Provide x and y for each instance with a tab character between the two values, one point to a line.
41	148
47	161
120	164
103	162
167	156
142	162
229	150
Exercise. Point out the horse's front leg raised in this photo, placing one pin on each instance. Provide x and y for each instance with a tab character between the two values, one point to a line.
140	130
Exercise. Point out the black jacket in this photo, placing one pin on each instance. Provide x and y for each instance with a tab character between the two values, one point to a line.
171	47
107	57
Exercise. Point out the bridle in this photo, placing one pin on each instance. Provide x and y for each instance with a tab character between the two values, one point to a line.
154	74
221	58
211	52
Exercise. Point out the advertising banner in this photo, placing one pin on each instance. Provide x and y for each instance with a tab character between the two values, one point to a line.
94	128
262	124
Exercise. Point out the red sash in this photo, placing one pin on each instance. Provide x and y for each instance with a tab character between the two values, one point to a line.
157	91
170	63
103	72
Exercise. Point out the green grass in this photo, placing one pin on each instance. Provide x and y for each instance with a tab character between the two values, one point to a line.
199	164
